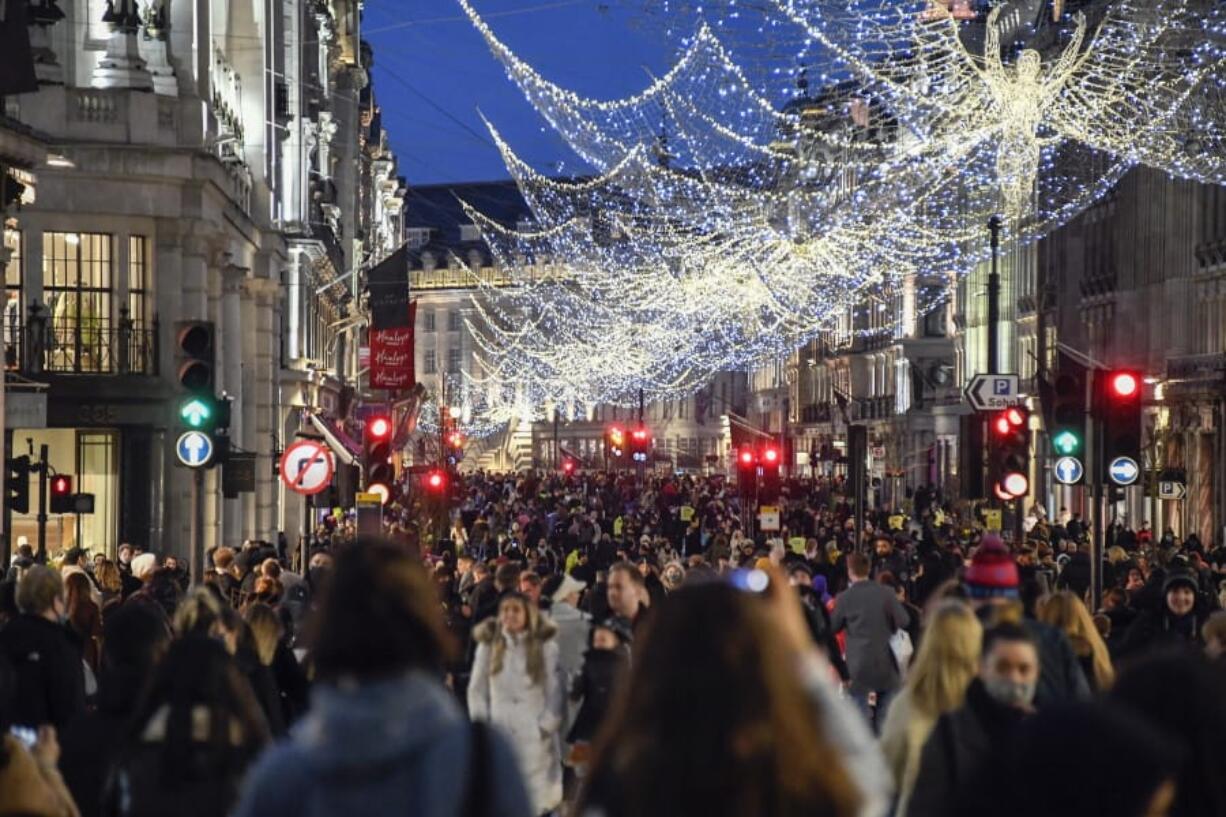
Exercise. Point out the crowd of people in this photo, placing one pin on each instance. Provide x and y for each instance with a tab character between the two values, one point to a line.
601	644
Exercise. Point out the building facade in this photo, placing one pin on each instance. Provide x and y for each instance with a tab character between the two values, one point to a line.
206	162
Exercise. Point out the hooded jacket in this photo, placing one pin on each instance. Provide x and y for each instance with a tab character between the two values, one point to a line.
529	710
50	672
395	747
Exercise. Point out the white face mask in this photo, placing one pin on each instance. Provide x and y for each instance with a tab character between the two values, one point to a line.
1010	693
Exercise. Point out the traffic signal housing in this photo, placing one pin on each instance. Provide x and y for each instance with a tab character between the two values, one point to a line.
61	494
746	469
614	443
1118	408
769	460
377	454
1010	436
196	356
1068	413
640	444
435	481
18	484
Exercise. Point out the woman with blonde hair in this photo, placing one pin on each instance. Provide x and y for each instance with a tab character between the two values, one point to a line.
947	661
1067	613
515	685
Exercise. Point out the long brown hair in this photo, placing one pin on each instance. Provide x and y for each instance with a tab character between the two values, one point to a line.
715	720
1068	613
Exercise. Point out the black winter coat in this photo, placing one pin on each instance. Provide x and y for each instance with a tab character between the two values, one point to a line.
50	672
956	751
594	687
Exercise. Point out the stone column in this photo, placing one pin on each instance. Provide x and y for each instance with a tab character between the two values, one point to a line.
230	371
266	418
253	380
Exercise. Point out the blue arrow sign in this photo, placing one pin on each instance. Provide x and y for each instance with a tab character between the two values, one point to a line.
1124	470
194	449
1069	470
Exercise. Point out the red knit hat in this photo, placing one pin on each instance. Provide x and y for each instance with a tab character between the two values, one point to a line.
992	572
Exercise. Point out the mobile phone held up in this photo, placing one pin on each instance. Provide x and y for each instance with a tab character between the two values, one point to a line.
751	581
27	735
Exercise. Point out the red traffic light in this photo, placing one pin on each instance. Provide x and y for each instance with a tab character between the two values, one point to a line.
1015	417
61	485
640	434
436	480
1124	384
770	455
568	466
746	457
1015	485
378	427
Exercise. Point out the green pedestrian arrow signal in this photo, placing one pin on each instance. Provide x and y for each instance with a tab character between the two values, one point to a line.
1066	442
195	413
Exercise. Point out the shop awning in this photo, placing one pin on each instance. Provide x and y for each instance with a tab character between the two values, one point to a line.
342	445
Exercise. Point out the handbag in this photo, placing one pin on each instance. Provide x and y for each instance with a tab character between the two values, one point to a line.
902	649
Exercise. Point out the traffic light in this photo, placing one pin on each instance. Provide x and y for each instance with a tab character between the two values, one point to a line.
640	444
770	459
18	484
435	481
1068	415
614	443
1118	408
377	453
1010	432
455	447
61	494
746	469
568	465
196	356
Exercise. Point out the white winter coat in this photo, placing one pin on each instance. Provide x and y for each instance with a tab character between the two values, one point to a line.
573	627
530	714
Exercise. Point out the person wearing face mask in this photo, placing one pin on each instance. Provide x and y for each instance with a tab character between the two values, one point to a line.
999	698
50	678
1177	622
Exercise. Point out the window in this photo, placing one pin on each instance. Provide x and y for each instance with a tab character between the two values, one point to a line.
430	362
454	318
683	408
138	281
77	275
469	232
427	320
418	237
453	360
13	309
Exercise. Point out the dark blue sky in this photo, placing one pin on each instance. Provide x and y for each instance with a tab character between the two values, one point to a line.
433	71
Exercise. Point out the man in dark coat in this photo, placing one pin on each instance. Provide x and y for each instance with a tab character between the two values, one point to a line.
982	729
871	614
50	675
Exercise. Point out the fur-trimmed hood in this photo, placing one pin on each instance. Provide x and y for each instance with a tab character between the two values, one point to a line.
488	630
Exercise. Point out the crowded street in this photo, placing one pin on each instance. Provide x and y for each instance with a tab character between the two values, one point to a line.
613	408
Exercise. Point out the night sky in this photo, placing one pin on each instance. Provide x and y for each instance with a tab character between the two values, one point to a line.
433	72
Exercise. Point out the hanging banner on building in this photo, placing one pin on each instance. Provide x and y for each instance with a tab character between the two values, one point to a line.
391	356
388	288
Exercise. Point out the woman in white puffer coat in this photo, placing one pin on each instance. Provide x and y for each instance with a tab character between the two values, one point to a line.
515	685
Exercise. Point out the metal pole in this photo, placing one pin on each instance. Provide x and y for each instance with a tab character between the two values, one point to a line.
196	560
557	451
6	543
44	454
994	225
1095	466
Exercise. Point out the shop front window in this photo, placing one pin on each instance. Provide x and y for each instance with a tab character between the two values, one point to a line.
12	299
77	280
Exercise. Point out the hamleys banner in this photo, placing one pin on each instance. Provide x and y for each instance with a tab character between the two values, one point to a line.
391	356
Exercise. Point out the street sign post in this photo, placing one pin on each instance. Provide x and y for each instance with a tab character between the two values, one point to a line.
1124	470
768	518
1172	490
194	449
988	392
1069	470
307	467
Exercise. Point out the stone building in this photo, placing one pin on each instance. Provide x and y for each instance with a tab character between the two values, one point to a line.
205	161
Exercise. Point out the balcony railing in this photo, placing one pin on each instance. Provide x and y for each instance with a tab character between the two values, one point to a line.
87	346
